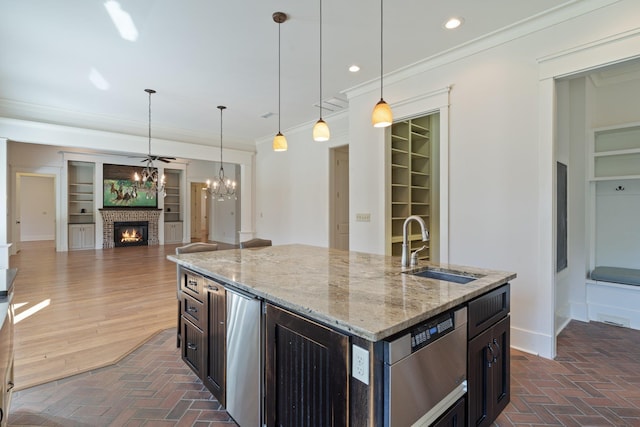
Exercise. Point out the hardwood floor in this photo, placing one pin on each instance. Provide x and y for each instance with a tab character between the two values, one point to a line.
81	310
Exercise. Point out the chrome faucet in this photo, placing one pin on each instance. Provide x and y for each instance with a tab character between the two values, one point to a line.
405	243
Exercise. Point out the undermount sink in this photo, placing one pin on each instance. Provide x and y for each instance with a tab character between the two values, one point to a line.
445	275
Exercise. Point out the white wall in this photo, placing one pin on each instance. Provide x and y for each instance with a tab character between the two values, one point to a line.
292	187
501	163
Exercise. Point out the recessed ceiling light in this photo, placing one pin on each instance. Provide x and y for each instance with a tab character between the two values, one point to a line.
453	23
354	68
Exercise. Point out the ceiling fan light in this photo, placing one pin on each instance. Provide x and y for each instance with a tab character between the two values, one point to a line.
279	142
382	115
321	131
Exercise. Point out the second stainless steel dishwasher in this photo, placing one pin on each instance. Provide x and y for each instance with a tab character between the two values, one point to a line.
244	358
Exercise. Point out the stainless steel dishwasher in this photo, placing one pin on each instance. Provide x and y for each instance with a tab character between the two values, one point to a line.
244	358
425	370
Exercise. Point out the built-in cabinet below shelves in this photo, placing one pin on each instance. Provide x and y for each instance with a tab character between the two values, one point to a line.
173	232
410	155
82	236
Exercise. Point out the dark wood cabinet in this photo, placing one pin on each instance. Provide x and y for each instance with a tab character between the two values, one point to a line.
307	379
214	374
454	417
191	348
202	324
488	357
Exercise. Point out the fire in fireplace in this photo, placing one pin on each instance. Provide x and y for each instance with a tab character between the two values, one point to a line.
130	233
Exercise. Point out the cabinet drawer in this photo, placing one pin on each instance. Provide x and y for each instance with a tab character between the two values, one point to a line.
486	310
192	284
193	310
192	349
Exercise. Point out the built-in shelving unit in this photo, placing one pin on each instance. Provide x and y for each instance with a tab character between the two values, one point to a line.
80	178
173	229
616	154
81	206
410	181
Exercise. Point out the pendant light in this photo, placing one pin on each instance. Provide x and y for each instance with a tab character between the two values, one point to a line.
321	129
221	187
150	172
382	115
279	141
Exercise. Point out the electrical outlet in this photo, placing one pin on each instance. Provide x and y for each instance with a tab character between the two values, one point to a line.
363	217
360	364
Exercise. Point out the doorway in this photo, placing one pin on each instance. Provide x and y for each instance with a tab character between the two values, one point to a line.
594	111
35	214
339	198
199	212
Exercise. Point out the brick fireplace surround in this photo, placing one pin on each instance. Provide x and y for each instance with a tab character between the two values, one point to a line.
109	216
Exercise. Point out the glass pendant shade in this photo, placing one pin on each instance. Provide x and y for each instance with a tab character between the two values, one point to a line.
279	142
321	131
382	115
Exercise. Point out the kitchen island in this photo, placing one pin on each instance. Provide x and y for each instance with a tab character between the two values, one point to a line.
326	318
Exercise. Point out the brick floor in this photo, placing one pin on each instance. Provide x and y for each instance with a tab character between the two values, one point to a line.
594	381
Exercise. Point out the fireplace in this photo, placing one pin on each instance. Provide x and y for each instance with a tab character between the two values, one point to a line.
130	233
111	216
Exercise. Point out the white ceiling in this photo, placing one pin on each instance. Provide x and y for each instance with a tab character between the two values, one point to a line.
199	54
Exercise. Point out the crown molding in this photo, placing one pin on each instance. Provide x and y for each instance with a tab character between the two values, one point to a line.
499	37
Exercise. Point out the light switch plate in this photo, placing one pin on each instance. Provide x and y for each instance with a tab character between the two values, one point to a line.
360	364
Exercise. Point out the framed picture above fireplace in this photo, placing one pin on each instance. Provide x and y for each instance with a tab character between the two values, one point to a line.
123	193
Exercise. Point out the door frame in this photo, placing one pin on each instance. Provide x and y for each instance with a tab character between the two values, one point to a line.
333	201
14	215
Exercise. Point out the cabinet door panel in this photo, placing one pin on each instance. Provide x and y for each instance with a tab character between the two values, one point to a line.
502	373
306	372
489	374
478	379
191	350
216	342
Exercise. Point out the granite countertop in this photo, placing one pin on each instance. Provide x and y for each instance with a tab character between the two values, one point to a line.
362	294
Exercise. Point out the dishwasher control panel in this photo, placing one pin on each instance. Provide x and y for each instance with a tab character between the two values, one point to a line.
425	333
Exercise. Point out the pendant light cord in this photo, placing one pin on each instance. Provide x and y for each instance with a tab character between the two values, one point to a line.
381	47
279	89
150	123
320	60
221	174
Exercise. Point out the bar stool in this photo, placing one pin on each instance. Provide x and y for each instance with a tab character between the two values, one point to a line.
255	243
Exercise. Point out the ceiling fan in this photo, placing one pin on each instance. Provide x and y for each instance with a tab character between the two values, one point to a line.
149	158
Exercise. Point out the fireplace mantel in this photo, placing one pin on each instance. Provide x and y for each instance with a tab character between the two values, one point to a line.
109	215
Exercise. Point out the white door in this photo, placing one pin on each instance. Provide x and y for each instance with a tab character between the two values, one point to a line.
199	212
